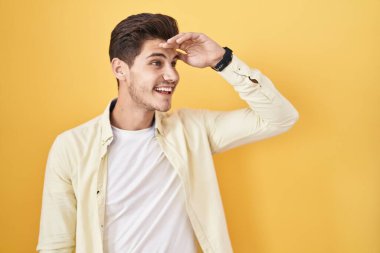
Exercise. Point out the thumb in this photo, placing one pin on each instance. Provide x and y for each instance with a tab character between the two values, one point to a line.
183	57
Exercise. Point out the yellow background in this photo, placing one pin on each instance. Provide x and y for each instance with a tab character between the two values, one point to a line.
314	189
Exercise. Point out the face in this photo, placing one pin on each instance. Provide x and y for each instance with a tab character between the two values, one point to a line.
152	79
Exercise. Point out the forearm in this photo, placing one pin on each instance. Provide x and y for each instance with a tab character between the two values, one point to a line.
268	114
260	94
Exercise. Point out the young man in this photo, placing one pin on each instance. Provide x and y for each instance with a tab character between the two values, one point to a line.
139	179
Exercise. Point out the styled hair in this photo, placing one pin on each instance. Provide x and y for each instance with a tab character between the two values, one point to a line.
129	35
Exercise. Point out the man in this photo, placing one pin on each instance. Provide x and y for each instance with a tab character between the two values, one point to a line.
139	179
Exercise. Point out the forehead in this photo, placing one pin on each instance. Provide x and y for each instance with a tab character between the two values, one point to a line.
151	46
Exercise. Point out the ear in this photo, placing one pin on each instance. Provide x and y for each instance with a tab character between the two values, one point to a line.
120	69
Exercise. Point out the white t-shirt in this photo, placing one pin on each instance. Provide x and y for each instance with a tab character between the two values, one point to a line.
145	203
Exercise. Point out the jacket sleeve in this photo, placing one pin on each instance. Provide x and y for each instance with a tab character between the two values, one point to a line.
58	213
268	114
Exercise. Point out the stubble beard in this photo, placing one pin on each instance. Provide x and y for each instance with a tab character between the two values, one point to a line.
139	99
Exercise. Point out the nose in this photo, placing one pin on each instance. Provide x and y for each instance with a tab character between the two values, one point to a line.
171	75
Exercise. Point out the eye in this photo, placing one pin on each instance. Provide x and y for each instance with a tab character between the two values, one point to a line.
174	63
156	63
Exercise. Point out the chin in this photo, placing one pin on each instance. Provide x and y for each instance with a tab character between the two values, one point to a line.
163	109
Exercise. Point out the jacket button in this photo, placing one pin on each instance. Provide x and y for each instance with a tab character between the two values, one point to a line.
253	80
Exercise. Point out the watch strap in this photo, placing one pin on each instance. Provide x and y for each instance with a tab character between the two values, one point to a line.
225	61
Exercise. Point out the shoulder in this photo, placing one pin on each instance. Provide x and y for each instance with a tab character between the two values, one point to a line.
183	114
84	130
77	138
183	118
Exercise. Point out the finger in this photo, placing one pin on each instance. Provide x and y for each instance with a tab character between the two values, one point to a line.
184	37
168	45
185	45
174	38
188	37
183	57
172	42
179	38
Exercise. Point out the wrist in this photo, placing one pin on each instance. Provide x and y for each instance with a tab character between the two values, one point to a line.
218	58
225	61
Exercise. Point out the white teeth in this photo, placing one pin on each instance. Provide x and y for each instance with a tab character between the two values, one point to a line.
166	89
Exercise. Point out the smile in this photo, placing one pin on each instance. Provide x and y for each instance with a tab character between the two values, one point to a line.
164	90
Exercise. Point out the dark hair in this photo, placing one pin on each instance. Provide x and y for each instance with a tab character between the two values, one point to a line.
129	35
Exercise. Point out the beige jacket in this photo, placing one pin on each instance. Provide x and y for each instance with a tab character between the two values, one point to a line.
73	205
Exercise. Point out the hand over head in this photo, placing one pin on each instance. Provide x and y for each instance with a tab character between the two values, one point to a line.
200	50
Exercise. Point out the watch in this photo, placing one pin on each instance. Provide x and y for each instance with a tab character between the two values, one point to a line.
225	61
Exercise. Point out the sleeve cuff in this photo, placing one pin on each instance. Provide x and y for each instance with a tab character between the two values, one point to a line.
237	72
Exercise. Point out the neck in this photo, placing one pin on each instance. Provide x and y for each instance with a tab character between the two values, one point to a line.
129	118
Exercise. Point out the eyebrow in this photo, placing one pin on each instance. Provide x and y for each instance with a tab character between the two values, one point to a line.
162	55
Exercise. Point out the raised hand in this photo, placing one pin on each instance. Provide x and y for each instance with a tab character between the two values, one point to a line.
201	51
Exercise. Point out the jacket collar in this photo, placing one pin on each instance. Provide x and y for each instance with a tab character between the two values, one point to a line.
106	129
